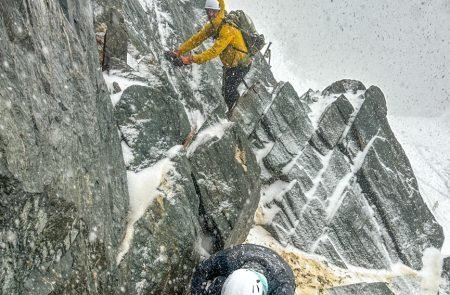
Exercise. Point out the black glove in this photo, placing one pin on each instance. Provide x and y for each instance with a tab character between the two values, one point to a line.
173	58
177	62
170	55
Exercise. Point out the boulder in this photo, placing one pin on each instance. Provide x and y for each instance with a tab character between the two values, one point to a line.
151	121
226	176
344	86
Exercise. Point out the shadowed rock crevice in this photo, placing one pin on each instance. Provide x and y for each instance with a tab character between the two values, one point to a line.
207	223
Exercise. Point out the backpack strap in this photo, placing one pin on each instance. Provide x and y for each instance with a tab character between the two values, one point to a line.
234	26
219	28
243	51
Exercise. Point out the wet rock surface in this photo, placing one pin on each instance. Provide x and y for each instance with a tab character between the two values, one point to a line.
63	183
151	121
207	200
227	178
363	289
345	188
446	276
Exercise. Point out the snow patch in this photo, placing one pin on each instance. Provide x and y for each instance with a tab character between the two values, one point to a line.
215	131
11	237
275	191
431	271
93	235
127	153
130	133
262	153
142	189
318	107
196	118
124	83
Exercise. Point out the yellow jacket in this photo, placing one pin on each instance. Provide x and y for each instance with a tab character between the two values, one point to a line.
229	38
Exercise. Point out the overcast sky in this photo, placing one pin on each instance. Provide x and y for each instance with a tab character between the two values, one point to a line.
402	46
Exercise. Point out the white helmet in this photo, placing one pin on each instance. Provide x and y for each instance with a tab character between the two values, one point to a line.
245	282
212	4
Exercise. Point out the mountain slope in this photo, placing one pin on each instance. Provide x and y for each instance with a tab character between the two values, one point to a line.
427	143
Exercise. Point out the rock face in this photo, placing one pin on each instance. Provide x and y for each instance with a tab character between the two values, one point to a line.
226	175
446	276
167	241
111	32
151	121
62	177
345	189
344	86
208	198
363	289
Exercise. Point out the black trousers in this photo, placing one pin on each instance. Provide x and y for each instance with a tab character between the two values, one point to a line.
232	77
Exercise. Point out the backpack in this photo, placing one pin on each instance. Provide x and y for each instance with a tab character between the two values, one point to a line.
253	40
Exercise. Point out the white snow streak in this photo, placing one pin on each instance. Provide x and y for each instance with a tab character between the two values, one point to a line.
431	271
319	177
123	83
142	189
335	200
215	131
275	191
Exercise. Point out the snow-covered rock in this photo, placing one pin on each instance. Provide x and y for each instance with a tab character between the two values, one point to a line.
151	121
351	196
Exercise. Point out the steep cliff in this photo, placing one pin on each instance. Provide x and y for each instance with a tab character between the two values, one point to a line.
62	176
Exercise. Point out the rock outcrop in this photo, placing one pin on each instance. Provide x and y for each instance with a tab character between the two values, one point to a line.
345	185
362	289
207	199
446	277
62	176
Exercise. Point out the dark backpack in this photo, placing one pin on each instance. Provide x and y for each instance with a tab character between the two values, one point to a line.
241	21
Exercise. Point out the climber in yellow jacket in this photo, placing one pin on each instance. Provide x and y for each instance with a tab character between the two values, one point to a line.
229	45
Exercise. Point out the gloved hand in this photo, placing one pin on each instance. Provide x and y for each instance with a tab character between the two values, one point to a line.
187	60
177	62
170	55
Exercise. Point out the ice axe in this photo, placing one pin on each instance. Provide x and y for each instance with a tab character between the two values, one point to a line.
268	53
